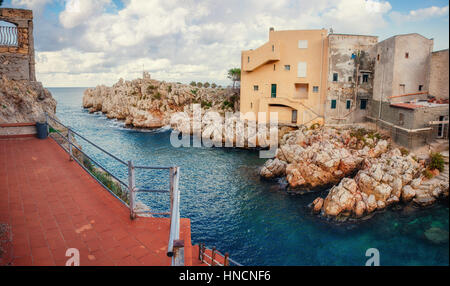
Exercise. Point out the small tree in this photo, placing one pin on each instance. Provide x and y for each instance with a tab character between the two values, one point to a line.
213	85
206	84
235	75
199	84
193	83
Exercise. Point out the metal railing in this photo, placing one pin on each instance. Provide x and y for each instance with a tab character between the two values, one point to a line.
175	248
8	36
215	255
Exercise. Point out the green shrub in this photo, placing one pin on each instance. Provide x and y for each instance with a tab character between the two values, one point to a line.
157	95
194	91
206	84
169	89
436	161
193	83
427	174
213	85
150	88
404	151
199	84
206	104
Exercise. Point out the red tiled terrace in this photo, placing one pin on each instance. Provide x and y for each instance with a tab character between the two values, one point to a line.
51	204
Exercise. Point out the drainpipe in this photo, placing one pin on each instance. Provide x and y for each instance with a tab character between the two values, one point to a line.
381	95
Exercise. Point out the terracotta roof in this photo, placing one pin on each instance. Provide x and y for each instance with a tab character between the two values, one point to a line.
406	105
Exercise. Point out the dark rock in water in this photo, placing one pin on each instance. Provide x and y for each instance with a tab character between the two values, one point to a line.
436	235
408	210
424	201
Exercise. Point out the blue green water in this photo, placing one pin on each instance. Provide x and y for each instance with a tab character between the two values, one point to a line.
231	208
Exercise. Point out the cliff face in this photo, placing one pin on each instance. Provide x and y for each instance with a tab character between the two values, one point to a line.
148	103
24	101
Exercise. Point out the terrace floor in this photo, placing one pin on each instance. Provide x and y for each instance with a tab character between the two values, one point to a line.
51	204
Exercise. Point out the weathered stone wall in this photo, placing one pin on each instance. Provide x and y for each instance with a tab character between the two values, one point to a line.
17	62
350	71
439	74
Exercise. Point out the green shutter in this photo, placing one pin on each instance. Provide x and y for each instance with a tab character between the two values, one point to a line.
348	104
274	90
333	104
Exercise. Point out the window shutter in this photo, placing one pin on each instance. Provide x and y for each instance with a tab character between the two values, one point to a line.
302	44
301	72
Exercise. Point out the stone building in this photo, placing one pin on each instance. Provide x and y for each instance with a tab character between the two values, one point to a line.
350	77
439	74
16	44
402	101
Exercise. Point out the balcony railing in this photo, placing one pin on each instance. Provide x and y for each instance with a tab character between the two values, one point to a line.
8	36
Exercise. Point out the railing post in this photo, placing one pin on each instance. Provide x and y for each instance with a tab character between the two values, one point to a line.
69	135
226	262
178	253
213	255
171	186
46	122
200	252
131	187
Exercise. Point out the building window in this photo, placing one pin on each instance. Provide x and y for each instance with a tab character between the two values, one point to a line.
301	72
287	67
248	59
402	88
348	104
315	89
255	88
335	77
273	66
251	104
378	57
401	119
302	44
420	87
273	48
333	104
363	104
294	116
273	91
365	78
406	55
349	79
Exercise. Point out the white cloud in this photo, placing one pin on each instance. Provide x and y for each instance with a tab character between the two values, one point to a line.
420	14
77	12
31	4
180	40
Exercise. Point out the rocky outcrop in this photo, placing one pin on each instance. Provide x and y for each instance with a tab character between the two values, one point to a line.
320	157
383	181
148	103
24	101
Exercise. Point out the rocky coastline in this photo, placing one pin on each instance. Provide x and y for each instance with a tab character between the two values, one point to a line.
364	172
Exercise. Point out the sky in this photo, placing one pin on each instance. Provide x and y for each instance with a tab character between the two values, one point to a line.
90	42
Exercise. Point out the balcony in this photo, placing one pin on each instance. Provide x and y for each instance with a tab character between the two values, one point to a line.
269	52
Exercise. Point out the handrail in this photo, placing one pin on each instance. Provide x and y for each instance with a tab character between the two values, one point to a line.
227	261
8	36
175	247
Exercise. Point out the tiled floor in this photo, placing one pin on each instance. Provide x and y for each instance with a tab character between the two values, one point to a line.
52	204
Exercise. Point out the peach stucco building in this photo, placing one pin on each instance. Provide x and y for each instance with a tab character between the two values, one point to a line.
288	75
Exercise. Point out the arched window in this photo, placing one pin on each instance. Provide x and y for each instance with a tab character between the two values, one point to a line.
8	34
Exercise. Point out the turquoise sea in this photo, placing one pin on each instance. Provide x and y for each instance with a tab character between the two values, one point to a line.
256	221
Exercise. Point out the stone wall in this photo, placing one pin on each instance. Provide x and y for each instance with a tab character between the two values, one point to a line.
351	58
439	74
17	61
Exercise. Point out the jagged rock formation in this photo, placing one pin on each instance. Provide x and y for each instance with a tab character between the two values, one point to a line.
148	103
316	158
24	101
383	181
